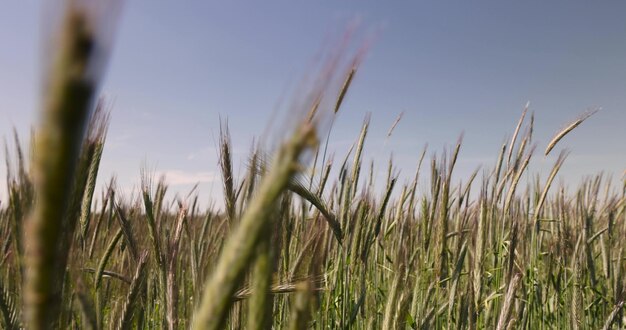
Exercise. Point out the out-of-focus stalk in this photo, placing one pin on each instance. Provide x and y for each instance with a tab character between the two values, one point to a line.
67	100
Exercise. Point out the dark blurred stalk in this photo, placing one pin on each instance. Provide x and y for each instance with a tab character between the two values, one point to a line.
67	100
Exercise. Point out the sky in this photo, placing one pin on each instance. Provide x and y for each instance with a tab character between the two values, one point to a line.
450	67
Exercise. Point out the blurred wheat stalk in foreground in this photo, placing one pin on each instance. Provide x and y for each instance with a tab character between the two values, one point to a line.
68	93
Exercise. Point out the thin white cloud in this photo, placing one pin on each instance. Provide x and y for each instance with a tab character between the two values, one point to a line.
202	153
178	177
118	141
213	152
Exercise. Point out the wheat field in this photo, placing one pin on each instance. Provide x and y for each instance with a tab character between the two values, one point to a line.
304	240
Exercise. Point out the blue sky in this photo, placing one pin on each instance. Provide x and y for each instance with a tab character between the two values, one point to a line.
450	66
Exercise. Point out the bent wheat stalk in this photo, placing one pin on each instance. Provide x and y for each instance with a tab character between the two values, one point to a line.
239	249
568	129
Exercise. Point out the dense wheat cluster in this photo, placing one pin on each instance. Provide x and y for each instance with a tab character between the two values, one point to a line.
302	242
